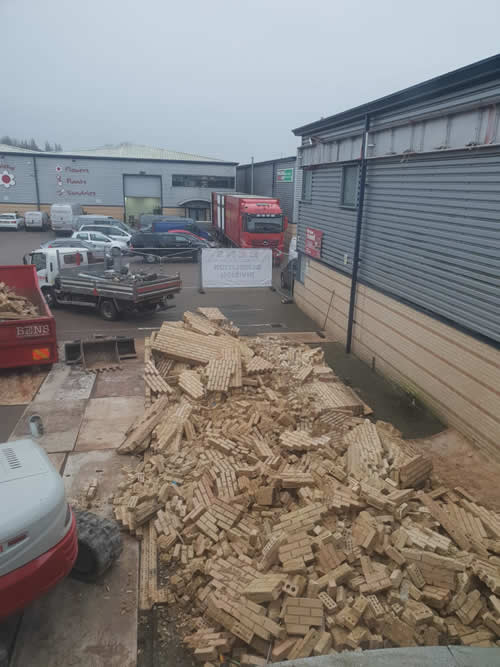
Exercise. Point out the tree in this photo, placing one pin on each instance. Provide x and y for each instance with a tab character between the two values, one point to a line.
30	145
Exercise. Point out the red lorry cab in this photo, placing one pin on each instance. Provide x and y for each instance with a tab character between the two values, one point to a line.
29	341
249	221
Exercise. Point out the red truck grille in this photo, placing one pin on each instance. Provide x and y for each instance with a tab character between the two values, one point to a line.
257	243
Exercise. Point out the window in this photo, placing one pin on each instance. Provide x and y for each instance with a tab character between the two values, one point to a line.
82	235
307	185
194	181
39	260
97	236
350	179
71	259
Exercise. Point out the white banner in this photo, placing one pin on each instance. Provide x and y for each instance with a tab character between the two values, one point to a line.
236	267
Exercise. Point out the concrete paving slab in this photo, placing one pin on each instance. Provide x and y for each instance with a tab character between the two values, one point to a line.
19	386
105	466
106	420
9	416
61	421
84	625
57	461
424	656
66	382
127	381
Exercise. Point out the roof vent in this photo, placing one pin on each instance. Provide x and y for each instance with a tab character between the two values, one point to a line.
11	457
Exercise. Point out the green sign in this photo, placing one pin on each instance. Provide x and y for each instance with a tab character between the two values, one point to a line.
285	175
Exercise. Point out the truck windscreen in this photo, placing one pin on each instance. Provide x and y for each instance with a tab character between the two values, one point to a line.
258	224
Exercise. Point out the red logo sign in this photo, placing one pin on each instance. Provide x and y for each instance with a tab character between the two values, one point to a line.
314	239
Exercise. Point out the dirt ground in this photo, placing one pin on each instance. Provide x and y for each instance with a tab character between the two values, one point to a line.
457	462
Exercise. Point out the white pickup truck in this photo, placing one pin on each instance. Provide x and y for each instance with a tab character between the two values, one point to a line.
73	277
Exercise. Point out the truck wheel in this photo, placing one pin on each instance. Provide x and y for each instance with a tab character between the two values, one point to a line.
108	310
150	259
49	296
99	545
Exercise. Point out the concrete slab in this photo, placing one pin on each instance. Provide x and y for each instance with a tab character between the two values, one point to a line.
425	656
9	416
105	466
127	381
57	461
61	421
84	625
19	386
87	625
106	420
66	382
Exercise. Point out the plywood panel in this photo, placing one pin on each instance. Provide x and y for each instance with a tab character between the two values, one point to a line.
440	346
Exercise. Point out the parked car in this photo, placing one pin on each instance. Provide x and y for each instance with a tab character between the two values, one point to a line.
66	243
112	231
152	246
288	274
11	221
100	241
63	216
36	220
101	220
212	244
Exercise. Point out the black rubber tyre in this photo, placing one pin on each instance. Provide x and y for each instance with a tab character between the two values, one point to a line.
99	545
150	259
108	310
50	299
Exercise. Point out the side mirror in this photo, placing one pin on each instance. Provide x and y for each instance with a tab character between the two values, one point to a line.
25	261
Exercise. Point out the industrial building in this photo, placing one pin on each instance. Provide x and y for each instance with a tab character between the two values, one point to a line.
399	239
123	181
273	178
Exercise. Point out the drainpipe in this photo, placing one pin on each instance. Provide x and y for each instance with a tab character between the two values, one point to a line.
251	178
357	238
35	172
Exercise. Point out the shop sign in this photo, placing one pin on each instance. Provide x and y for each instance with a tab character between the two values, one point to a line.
314	239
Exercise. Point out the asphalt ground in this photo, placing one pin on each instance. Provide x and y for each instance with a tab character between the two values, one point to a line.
255	311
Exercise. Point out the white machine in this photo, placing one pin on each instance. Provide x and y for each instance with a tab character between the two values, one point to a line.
34	514
41	539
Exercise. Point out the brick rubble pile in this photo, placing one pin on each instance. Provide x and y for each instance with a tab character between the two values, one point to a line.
13	306
293	525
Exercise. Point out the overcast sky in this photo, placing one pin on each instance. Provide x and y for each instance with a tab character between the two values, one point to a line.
223	78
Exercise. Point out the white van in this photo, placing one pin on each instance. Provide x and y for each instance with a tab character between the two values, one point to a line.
62	217
36	220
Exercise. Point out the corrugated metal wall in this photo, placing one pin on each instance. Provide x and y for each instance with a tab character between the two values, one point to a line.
243	179
431	232
263	176
324	212
93	182
285	191
431	235
266	182
24	190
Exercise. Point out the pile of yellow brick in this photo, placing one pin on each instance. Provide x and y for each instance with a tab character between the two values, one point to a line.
291	524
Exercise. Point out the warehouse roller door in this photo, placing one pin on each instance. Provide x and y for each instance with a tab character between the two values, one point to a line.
142	194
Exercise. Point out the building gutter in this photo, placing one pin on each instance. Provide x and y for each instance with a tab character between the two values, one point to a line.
357	237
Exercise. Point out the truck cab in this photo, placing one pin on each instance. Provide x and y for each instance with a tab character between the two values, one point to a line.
49	262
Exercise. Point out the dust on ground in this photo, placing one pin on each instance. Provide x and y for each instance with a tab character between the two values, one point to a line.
457	462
